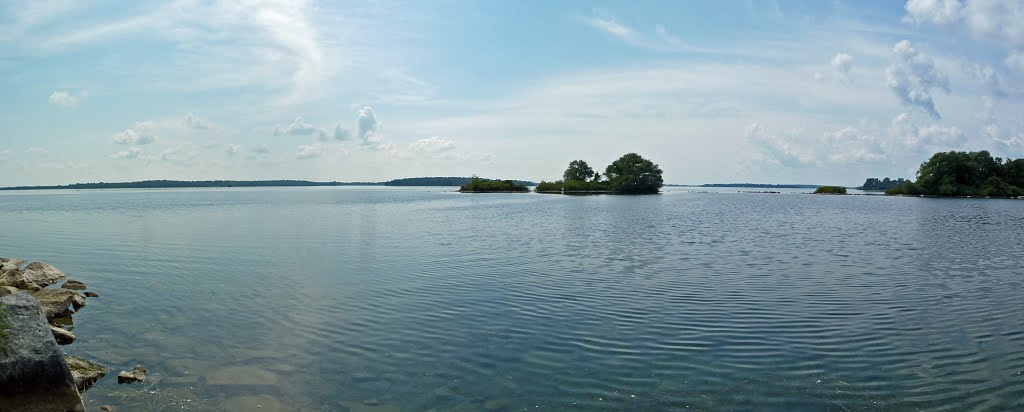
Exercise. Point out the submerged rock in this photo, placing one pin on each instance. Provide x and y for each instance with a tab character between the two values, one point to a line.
56	302
85	373
62	336
92	295
33	373
73	285
35	276
138	374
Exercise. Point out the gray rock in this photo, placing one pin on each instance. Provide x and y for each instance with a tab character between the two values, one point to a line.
92	295
56	302
138	374
7	267
73	285
34	376
8	290
35	276
62	336
85	373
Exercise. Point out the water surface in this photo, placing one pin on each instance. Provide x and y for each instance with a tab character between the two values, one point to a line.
419	298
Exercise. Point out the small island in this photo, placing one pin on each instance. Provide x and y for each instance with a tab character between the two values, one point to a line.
630	174
478	185
966	174
830	190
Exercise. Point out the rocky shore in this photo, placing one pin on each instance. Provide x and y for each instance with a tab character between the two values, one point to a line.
35	374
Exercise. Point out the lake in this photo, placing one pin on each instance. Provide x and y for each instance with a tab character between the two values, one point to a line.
381	299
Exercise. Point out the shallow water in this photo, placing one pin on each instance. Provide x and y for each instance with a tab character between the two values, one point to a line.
385	299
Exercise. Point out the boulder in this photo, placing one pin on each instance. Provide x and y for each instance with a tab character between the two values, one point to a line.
62	336
73	285
8	290
34	376
56	302
85	373
35	276
138	374
92	295
7	267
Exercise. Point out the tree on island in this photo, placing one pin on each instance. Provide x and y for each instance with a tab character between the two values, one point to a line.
966	174
873	183
478	185
578	170
634	175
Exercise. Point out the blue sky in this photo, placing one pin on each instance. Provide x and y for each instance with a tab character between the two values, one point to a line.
725	91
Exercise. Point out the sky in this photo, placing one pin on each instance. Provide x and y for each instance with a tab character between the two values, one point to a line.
714	92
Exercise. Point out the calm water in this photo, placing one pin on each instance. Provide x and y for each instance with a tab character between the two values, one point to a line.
381	299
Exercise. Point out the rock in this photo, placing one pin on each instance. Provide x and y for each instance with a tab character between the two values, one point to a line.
77	301
253	403
7	267
85	373
35	276
62	336
73	285
8	290
107	408
56	302
138	374
92	295
33	373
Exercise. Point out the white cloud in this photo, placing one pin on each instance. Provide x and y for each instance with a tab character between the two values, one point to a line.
988	77
341	133
782	150
851	145
65	98
193	122
432	145
657	39
925	137
130	153
1015	61
142	133
182	153
311	151
38	150
232	149
842	63
300	128
368	126
933	11
261	149
913	76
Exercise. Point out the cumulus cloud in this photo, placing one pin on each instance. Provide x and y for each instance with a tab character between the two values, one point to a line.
232	149
182	153
130	153
842	63
193	122
368	126
1015	61
142	133
341	133
311	151
913	76
781	150
925	137
850	145
933	11
1002	20
65	98
300	128
988	76
432	145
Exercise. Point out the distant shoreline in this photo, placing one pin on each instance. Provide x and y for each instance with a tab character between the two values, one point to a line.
171	184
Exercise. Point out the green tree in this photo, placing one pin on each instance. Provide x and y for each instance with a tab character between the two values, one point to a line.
633	174
578	170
